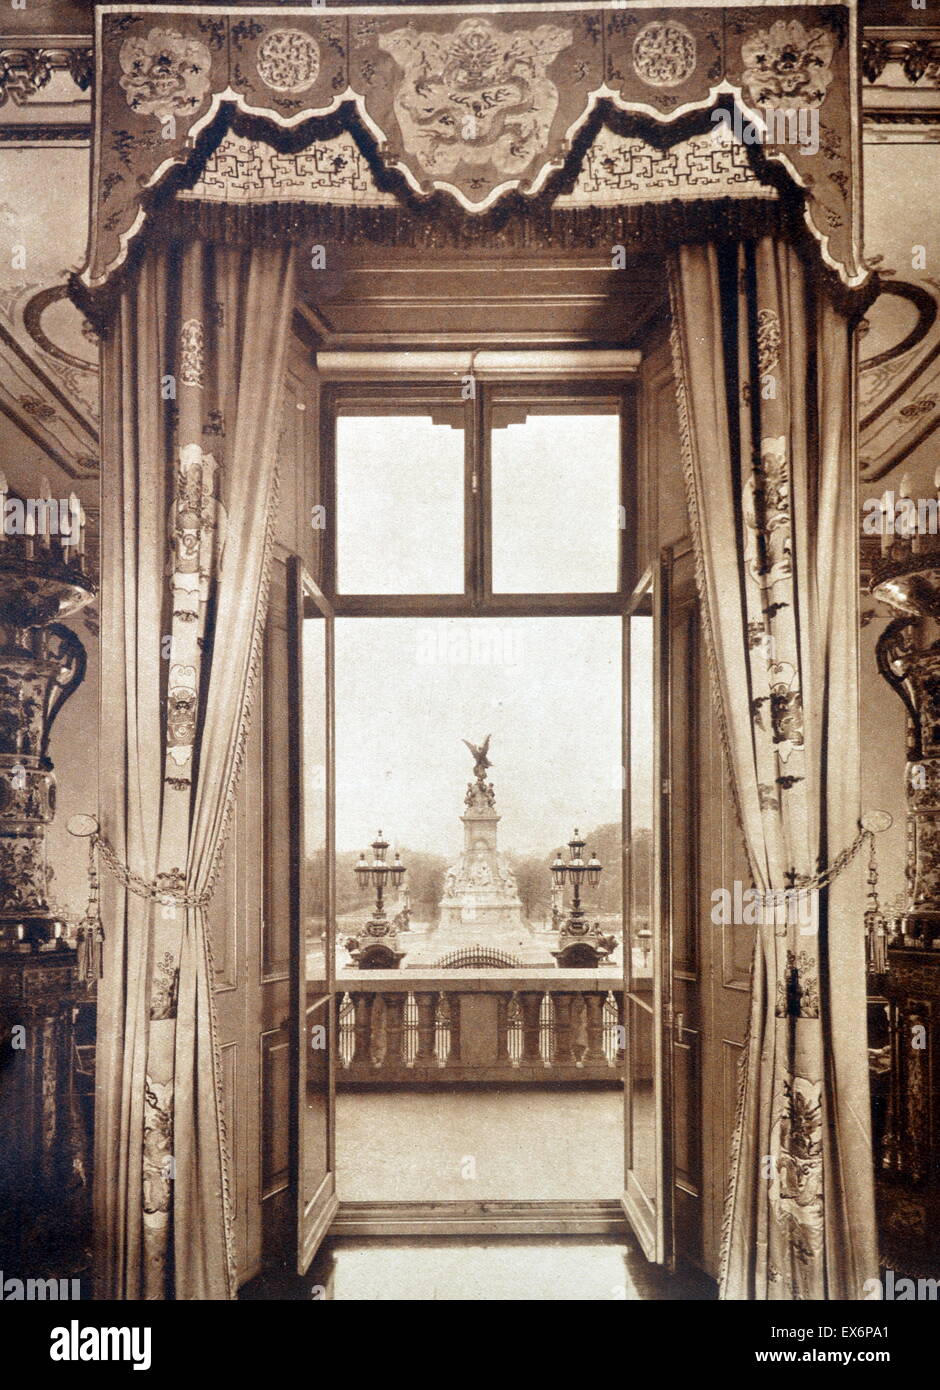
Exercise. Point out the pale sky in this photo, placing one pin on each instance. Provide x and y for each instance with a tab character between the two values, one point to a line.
409	689
555	504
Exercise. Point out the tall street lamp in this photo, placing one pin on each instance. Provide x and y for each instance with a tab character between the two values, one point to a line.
378	947
580	944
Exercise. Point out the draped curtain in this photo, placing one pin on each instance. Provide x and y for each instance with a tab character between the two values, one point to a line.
191	372
764	369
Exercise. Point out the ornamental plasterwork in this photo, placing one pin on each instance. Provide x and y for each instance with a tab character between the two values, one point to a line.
913	56
48	381
27	70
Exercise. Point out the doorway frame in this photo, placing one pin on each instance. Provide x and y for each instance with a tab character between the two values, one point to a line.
390	379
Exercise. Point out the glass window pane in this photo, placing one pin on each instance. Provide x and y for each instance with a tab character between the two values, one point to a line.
318	902
642	805
315	804
400	485
556	501
641	1156
317	1119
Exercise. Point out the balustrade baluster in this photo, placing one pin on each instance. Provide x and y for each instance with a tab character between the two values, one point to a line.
378	1035
594	1004
425	1000
547	1029
503	1056
344	1012
514	1031
394	1029
531	1004
442	1029
453	1004
563	1054
579	1036
361	1030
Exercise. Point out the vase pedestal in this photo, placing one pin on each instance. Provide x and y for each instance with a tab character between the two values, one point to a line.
44	1173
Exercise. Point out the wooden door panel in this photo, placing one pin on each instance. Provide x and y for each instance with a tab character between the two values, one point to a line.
726	966
647	1198
267	1017
276	922
228	925
684	1032
312	893
275	1105
250	916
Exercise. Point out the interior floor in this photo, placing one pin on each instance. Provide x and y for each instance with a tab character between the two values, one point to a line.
492	1269
519	1143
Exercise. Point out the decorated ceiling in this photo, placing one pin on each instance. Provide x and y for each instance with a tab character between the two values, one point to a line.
48	377
473	102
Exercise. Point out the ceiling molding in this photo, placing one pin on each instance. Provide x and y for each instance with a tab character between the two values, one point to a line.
25	133
899	390
28	68
915	52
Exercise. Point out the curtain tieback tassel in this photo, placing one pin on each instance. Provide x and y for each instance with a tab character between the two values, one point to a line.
166	888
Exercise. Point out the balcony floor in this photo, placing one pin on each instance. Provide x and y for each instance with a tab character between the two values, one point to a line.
511	1269
515	1144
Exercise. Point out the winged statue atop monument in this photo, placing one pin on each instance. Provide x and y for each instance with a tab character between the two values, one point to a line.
480	761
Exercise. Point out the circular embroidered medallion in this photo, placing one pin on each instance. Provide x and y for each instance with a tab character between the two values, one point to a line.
664	53
288	60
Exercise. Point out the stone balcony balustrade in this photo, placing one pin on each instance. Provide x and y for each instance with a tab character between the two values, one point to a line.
448	1026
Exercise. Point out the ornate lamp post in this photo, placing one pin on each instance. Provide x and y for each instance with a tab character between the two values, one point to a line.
378	949
580	944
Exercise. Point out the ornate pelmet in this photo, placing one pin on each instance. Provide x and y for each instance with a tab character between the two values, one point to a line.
476	103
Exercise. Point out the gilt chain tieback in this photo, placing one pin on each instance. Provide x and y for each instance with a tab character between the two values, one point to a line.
165	889
871	824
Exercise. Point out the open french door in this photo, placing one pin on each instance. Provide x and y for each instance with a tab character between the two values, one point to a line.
647	954
313	1107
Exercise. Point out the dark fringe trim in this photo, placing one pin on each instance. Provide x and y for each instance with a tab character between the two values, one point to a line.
504	228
